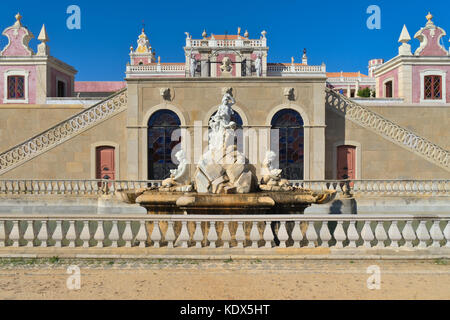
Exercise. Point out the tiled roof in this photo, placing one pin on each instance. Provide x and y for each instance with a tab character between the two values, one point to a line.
99	86
345	74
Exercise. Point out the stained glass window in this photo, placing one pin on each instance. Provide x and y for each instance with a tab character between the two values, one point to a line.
289	125
16	87
161	126
433	87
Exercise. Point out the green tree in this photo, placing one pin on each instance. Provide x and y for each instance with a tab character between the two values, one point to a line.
364	93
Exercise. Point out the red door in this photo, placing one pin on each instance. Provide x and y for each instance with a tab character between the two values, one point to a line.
105	163
346	163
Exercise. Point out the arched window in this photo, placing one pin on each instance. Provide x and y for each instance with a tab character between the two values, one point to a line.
289	125
433	87
239	140
161	127
388	89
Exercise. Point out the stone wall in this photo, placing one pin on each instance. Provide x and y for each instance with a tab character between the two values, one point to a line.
257	100
21	122
380	158
429	121
73	159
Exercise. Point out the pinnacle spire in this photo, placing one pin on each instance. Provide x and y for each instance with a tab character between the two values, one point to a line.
43	36
404	36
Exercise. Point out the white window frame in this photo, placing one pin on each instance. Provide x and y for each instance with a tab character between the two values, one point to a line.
443	75
15	72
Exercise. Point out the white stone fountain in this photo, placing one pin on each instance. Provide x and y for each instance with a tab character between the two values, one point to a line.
222	168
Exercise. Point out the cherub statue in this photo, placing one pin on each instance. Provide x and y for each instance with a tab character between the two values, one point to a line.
180	175
271	176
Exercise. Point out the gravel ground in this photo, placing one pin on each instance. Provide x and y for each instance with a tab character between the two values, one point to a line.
227	280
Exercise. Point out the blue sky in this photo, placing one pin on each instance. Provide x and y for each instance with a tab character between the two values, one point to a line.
334	32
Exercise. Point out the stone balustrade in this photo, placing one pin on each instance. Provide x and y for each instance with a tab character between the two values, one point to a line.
380	187
229	43
280	70
157	68
225	231
74	187
356	187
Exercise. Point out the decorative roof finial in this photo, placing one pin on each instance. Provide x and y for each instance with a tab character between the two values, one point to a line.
43	36
239	31
429	16
43	49
246	34
143	43
18	23
404	36
204	34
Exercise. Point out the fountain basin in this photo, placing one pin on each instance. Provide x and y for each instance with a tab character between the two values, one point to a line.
290	202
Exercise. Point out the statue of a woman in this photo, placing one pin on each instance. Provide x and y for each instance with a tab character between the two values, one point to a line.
221	121
258	65
192	65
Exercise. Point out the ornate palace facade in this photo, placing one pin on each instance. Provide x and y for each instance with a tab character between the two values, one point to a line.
54	127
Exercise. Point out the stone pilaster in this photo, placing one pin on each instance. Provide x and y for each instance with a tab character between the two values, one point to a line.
317	133
405	83
133	132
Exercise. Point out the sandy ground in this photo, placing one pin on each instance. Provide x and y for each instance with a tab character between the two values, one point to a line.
228	280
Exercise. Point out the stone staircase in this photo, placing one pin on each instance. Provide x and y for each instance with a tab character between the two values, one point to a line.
63	131
388	129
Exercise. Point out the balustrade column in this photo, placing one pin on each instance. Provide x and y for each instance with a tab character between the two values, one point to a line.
226	235
240	235
29	234
2	234
254	235
297	235
85	236
212	234
43	234
127	235
99	235
71	234
311	235
325	234
141	236
198	234
268	235
282	235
